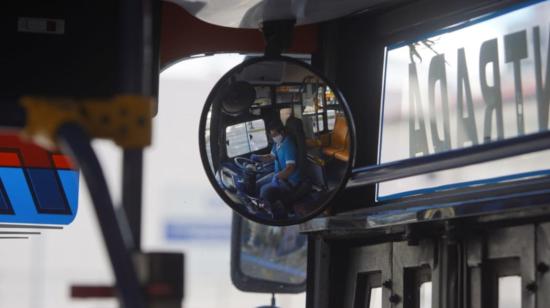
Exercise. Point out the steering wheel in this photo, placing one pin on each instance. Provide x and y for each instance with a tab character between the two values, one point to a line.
243	162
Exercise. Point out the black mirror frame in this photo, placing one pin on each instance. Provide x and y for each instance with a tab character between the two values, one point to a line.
246	283
204	156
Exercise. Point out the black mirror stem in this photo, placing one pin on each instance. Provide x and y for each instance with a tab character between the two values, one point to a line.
278	36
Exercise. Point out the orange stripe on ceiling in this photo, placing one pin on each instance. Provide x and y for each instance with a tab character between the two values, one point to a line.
61	161
9	159
184	35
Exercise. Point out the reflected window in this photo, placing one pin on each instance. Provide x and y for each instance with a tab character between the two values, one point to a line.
418	287
375	300
331	115
368	290
275	254
509	292
284	114
322	113
426	295
263	96
245	137
503	283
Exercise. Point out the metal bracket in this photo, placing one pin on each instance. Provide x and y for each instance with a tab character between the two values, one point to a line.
125	119
278	36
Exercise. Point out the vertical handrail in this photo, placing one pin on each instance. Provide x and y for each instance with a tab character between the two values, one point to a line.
75	141
132	184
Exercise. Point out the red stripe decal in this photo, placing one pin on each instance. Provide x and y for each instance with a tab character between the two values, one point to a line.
32	155
62	161
8	159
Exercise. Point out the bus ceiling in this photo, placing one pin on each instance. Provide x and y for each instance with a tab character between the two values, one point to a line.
249	14
177	42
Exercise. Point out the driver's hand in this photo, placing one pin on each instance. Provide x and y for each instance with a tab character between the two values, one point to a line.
275	179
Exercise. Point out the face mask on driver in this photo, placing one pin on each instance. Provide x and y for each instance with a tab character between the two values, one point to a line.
278	139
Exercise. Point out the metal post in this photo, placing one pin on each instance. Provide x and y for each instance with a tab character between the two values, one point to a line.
74	140
132	183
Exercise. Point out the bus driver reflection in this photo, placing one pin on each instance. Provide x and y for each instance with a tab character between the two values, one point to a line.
286	176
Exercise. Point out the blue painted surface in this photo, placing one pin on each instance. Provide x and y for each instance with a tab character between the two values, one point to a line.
4	205
70	181
24	207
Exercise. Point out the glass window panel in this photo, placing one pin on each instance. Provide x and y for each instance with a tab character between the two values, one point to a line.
284	114
375	300
263	96
245	137
256	135
236	140
426	295
330	97
309	125
331	119
509	292
465	85
276	254
320	123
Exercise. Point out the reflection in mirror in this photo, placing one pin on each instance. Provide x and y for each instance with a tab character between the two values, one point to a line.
277	140
275	254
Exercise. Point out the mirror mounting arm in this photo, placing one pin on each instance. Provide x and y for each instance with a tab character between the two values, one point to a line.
278	36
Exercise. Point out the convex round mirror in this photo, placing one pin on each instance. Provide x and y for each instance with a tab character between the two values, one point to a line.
276	140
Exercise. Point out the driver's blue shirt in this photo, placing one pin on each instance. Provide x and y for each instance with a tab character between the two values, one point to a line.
285	153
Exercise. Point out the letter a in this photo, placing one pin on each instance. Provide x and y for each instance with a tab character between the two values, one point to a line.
418	140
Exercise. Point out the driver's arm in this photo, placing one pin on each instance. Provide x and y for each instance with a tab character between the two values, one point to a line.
290	159
266	157
283	175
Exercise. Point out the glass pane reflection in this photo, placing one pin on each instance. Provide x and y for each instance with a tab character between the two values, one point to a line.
270	253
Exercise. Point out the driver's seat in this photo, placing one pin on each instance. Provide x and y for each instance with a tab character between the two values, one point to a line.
295	130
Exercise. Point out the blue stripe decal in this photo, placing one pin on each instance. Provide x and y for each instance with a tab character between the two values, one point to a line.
5	206
468	23
47	192
70	181
272	266
25	210
494	180
3	201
